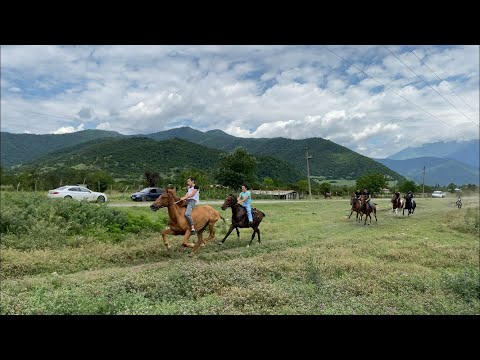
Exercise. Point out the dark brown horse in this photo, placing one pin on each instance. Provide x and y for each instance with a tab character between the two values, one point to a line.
240	219
357	207
328	194
202	216
410	206
368	209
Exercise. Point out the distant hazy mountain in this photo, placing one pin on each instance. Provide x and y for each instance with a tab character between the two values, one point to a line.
437	170
465	151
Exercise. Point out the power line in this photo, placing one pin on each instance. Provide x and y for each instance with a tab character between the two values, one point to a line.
385	86
409	68
443	81
38	113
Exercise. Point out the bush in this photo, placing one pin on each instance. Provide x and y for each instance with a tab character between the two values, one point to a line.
30	221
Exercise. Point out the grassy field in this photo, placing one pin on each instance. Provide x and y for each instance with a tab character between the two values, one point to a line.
312	260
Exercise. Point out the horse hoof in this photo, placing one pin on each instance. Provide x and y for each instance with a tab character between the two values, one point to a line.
220	243
191	254
248	246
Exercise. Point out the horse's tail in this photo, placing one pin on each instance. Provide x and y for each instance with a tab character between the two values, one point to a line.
221	217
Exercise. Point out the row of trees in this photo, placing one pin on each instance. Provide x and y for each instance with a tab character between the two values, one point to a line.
234	169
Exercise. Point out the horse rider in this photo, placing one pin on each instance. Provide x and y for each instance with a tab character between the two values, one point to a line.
367	196
193	198
358	194
397	195
410	196
459	200
244	199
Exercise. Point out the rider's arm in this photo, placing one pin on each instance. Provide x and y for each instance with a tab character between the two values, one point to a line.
187	195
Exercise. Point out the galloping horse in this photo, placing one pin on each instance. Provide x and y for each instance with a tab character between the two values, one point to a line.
328	194
409	205
240	219
398	203
357	207
202	216
367	210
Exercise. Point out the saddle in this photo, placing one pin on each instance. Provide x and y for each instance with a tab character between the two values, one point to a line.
254	214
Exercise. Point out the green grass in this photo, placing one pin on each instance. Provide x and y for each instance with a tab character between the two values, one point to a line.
312	260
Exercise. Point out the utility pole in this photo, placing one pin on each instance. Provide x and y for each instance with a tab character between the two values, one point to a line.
423	183
308	171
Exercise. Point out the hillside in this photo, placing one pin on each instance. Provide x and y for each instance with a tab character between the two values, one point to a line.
24	148
328	159
437	170
464	151
132	156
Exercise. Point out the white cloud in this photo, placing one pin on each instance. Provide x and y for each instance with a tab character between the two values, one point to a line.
104	126
68	129
258	91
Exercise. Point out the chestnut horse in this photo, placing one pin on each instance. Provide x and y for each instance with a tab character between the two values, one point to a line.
240	219
357	207
202	216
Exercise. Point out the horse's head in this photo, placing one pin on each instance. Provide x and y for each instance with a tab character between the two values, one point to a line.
230	201
162	201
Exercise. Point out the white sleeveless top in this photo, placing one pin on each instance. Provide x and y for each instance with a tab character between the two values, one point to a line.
195	197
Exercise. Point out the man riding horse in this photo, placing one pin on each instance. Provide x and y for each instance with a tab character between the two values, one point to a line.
367	197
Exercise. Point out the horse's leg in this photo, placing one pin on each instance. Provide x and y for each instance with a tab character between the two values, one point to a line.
211	226
238	233
198	243
375	214
164	236
258	233
186	238
253	235
351	213
227	234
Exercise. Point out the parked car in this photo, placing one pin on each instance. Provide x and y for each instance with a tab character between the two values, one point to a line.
438	194
150	193
76	192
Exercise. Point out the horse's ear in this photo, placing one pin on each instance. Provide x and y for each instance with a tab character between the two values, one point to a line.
230	195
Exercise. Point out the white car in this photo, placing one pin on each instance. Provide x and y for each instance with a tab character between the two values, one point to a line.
438	194
76	192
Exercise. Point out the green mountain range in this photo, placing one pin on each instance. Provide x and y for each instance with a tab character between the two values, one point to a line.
279	158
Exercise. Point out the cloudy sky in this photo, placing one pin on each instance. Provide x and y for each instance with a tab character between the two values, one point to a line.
248	91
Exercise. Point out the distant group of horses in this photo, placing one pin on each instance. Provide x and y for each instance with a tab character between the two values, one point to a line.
361	207
406	203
